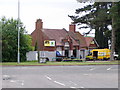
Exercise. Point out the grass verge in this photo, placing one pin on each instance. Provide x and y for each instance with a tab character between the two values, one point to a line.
60	63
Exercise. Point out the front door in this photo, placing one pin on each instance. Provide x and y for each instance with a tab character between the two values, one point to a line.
67	53
75	53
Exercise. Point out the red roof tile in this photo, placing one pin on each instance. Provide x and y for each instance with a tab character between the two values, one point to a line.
58	35
82	40
88	40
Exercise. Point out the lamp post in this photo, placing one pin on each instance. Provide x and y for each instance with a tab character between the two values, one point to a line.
18	58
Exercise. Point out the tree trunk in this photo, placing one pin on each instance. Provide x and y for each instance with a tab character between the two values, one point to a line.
113	36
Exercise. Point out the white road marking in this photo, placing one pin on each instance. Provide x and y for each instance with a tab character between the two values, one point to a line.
59	83
12	81
54	81
92	69
48	78
72	87
109	68
6	76
81	87
17	81
22	83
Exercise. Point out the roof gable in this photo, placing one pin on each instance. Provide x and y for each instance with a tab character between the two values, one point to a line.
59	35
91	41
82	40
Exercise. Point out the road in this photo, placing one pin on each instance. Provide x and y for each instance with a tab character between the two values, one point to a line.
93	76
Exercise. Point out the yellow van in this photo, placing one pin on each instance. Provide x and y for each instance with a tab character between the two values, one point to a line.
98	54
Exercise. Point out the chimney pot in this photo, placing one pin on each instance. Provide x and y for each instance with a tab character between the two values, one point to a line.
72	27
39	24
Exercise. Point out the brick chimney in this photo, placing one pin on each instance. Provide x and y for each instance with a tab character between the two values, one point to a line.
39	33
39	24
72	27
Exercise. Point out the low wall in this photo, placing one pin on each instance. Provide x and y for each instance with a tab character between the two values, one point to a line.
33	55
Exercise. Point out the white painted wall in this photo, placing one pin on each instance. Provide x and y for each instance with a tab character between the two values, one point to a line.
84	53
78	53
33	55
70	53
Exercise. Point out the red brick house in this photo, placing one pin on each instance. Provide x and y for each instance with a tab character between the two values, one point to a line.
68	43
86	44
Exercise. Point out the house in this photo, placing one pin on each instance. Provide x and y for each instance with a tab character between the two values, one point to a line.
86	44
67	43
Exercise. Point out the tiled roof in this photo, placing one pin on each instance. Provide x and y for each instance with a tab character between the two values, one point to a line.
88	40
58	35
74	37
82	40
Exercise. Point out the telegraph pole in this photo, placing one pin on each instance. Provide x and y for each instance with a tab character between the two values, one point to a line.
18	59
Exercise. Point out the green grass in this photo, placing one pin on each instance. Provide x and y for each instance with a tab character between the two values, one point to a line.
61	63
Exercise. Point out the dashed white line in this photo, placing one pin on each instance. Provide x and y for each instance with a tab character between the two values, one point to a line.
108	68
81	87
22	83
59	83
12	81
17	81
92	69
48	78
72	87
6	76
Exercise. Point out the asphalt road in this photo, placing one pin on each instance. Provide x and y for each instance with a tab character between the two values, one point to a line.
101	76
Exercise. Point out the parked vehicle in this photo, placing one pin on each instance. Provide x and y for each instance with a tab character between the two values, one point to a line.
98	54
115	56
101	54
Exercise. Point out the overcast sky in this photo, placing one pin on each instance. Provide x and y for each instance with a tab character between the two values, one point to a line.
54	13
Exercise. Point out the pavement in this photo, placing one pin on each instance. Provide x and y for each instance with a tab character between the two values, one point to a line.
92	76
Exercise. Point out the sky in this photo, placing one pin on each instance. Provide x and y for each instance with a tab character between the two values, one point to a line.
54	13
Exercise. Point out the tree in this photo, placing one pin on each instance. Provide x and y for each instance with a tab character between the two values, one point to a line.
97	18
115	40
9	40
100	16
117	47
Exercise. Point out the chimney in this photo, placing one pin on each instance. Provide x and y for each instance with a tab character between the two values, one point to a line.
72	27
39	24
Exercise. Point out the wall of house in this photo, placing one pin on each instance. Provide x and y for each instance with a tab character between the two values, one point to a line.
78	53
62	52
84	53
70	53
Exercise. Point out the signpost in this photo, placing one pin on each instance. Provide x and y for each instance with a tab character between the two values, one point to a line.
18	59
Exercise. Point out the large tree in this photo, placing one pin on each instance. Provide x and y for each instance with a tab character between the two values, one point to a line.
118	30
116	27
100	16
10	40
97	18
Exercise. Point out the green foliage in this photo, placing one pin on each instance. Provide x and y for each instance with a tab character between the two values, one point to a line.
10	40
117	25
97	17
